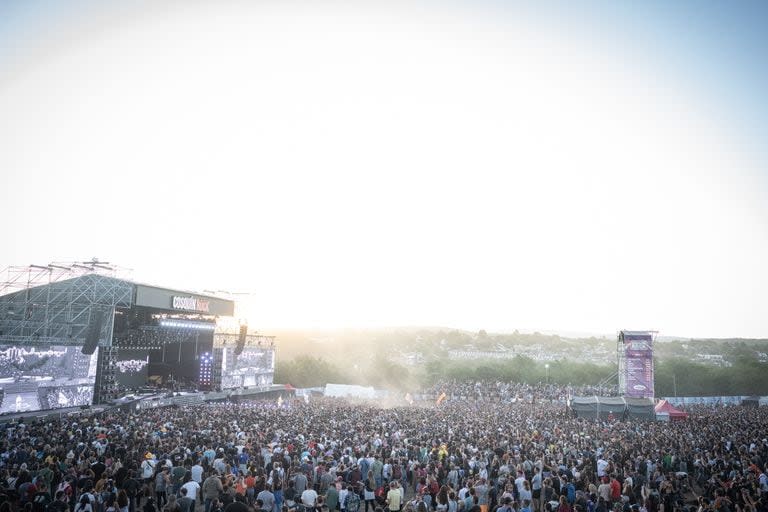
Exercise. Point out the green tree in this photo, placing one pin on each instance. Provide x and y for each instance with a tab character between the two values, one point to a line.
307	371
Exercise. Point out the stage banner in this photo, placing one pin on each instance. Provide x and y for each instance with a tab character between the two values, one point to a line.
638	354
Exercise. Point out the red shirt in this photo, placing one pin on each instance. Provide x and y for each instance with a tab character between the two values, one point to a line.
615	489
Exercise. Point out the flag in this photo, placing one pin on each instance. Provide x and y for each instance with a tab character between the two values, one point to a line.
440	398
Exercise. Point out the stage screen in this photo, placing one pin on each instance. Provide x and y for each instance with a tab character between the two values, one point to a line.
45	377
132	368
255	366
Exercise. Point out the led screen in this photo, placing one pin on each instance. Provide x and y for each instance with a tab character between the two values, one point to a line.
255	366
131	368
45	377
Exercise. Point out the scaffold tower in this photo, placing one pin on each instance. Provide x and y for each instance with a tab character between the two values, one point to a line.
55	303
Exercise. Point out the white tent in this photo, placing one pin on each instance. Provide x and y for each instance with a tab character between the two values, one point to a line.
349	391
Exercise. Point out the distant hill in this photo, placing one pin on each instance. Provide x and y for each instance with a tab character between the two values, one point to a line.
405	358
434	343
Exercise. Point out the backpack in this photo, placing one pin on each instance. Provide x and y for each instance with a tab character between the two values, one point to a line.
353	502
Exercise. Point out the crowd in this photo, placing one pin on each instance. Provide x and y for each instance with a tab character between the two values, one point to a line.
328	455
490	390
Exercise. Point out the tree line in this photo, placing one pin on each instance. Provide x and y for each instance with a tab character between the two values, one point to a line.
745	376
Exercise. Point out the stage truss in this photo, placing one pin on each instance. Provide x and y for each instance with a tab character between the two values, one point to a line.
54	304
223	339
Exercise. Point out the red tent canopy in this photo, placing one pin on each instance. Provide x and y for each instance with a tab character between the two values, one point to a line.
664	407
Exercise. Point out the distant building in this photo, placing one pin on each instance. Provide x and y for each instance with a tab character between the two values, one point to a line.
477	354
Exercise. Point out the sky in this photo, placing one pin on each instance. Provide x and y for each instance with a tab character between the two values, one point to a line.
560	166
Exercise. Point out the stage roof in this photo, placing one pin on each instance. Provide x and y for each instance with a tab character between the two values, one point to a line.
61	311
92	286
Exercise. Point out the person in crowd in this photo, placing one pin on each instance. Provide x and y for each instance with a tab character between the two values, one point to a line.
267	499
84	505
352	500
332	498
186	504
122	502
309	499
369	492
216	505
192	489
211	489
162	481
172	505
394	498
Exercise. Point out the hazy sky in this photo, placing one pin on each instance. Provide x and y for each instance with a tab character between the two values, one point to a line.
573	166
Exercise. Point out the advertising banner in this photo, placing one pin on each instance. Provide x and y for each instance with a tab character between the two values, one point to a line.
638	367
639	381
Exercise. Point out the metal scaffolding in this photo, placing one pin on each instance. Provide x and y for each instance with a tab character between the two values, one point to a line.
54	304
15	278
229	339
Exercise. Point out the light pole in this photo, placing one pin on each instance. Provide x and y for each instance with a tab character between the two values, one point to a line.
546	367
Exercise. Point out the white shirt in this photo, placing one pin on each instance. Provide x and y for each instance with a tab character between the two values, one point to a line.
309	497
601	465
192	487
148	468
